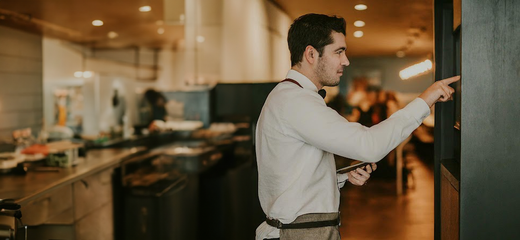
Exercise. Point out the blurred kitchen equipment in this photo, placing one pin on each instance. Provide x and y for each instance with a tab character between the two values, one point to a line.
11	226
7	147
203	164
191	156
90	106
63	153
60	133
9	161
175	110
157	200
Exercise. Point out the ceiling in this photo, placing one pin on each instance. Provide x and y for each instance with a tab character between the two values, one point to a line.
72	20
391	26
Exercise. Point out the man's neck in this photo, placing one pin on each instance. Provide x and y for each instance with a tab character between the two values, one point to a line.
309	73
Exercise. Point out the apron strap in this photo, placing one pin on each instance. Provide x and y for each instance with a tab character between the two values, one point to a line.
321	92
316	224
293	81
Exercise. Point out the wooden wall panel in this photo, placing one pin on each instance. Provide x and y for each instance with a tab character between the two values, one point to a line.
449	209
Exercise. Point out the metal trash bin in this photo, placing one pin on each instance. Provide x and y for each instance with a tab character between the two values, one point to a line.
202	163
157	200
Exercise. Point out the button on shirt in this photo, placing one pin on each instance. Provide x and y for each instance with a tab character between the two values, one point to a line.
296	137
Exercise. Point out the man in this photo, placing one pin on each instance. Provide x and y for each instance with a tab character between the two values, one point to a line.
297	135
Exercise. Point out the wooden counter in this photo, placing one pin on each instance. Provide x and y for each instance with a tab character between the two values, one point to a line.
72	203
25	188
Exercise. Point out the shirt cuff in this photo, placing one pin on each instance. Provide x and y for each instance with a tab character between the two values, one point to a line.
342	179
419	109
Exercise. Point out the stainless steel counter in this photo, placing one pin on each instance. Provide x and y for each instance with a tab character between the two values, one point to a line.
25	188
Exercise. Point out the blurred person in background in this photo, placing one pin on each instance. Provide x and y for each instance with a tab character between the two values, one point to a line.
364	110
392	104
155	108
339	104
379	106
359	91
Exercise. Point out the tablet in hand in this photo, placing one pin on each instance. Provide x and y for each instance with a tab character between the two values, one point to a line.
352	167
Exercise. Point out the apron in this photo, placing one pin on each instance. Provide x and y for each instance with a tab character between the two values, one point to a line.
304	226
300	232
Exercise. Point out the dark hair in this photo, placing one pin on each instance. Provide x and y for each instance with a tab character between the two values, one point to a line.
152	96
315	30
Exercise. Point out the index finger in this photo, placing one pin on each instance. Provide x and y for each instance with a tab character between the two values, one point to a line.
451	80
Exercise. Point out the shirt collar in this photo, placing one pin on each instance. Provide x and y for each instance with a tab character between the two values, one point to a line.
301	79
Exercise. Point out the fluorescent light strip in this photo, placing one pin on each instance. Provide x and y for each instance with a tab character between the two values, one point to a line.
145	9
415	70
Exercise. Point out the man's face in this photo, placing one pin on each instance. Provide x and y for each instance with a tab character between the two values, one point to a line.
332	62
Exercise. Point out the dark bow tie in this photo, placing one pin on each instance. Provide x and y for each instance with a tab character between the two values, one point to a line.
322	93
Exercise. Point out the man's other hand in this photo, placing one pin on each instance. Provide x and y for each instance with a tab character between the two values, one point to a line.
360	176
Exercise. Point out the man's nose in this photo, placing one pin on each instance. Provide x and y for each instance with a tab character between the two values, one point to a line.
344	61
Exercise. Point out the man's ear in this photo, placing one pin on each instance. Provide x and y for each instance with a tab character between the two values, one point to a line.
310	54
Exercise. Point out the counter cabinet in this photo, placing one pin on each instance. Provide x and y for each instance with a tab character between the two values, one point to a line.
73	203
81	210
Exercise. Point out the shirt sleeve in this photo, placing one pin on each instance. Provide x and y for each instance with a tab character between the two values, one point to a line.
318	125
342	179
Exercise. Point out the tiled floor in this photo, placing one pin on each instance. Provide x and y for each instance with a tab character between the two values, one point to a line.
375	212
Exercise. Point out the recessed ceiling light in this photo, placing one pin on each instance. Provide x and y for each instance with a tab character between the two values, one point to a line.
112	34
145	9
200	39
78	74
358	34
87	74
97	23
361	7
160	30
359	23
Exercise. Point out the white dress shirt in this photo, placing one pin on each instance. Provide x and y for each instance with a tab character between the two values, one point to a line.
296	137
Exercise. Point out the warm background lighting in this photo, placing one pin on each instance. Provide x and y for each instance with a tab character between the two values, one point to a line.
415	70
359	23
97	23
78	74
145	9
112	34
360	7
87	74
358	34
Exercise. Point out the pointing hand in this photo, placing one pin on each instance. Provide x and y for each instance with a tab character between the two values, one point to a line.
439	91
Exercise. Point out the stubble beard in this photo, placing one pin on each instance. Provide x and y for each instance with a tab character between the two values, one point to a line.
326	78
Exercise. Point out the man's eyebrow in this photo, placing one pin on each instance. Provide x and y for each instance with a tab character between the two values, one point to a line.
341	48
